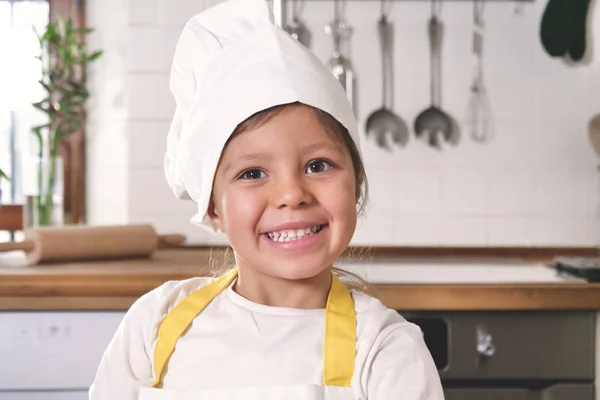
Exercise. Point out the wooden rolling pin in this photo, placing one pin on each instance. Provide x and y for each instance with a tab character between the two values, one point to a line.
87	243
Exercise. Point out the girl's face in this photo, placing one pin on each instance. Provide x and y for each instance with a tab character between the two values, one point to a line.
285	196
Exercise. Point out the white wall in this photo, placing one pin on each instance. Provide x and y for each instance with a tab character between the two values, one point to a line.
535	184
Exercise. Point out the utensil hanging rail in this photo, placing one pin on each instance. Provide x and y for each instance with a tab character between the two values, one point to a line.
280	6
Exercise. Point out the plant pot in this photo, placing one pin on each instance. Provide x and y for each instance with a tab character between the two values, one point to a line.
43	190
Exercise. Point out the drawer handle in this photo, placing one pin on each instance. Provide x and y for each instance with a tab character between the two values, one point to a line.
485	343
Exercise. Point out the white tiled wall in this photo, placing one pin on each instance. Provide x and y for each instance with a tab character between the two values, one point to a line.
535	184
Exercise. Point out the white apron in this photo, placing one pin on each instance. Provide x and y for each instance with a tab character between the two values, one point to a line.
339	354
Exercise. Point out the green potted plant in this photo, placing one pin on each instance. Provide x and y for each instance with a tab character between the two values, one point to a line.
64	61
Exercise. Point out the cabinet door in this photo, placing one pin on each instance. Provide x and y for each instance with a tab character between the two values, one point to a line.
548	346
52	350
555	392
487	394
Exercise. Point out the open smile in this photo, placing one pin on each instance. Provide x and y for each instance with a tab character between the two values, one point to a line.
296	239
289	235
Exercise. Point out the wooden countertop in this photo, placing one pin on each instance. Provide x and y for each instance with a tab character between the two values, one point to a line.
116	285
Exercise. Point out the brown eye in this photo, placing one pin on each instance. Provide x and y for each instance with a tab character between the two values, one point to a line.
317	166
252	174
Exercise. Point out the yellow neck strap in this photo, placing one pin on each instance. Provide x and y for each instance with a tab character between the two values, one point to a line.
340	329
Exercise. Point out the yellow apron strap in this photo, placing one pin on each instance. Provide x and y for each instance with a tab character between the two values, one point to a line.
340	329
340	336
180	317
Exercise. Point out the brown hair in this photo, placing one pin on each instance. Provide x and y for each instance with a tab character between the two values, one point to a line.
339	131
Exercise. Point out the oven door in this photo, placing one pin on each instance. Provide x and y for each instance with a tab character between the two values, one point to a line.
583	391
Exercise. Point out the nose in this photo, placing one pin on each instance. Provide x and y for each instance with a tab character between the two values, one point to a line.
291	191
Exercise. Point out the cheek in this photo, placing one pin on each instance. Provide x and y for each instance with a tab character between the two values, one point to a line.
240	208
341	199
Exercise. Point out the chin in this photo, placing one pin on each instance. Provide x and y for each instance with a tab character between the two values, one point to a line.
299	269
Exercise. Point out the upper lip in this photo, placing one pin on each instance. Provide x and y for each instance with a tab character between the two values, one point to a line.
293	225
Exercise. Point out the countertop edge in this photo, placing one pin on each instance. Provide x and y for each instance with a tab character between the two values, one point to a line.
422	297
105	285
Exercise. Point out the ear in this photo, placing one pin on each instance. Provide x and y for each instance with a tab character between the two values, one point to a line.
213	215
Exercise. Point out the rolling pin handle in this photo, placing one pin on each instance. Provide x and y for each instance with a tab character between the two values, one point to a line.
26	246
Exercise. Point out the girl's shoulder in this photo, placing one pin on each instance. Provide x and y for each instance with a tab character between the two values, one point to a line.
146	314
376	320
166	296
372	309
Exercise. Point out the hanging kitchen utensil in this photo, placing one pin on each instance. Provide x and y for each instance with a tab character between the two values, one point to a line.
556	27
296	28
564	28
578	46
383	123
340	66
479	115
433	122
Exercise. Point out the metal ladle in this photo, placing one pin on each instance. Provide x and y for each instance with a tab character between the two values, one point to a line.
433	121
383	122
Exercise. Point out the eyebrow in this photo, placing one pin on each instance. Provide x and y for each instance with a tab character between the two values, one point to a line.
324	145
245	158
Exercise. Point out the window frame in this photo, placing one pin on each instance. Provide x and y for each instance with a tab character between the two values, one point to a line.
72	148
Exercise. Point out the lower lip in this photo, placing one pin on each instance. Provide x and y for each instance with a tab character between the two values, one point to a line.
298	244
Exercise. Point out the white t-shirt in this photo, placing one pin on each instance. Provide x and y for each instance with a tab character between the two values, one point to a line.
235	342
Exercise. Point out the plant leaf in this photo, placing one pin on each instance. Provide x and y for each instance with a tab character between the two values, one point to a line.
95	55
3	175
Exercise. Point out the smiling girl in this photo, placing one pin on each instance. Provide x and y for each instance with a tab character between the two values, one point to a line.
265	142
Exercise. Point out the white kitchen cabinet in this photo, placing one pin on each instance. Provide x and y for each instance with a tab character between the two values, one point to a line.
52	351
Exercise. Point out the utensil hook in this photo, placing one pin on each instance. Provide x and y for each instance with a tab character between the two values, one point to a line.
478	6
436	8
386	39
384	13
434	38
295	9
336	28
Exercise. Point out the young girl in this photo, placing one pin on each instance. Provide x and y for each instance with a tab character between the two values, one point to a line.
265	142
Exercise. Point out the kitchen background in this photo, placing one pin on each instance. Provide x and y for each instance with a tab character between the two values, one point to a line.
535	184
499	328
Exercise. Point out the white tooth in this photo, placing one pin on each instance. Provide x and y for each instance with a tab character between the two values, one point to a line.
283	234
314	228
291	234
300	233
276	235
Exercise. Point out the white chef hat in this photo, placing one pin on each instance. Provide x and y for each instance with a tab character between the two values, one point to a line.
231	62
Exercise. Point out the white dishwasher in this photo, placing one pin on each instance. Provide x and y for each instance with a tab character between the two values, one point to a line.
52	355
